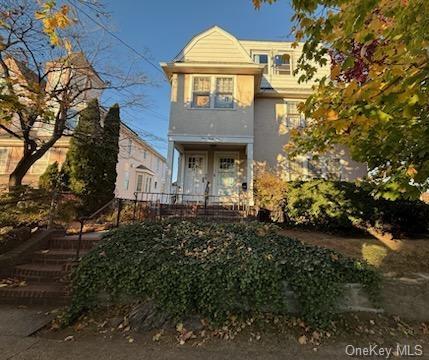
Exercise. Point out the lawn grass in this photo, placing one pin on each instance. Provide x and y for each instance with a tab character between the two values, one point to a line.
412	257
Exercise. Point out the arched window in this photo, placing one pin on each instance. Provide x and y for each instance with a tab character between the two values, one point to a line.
282	64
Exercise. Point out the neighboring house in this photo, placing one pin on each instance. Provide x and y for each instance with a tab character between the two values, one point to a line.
140	167
233	105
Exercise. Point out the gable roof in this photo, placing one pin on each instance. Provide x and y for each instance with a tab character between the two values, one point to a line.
214	45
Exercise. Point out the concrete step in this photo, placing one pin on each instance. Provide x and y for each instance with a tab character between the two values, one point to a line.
42	273
31	294
71	242
56	256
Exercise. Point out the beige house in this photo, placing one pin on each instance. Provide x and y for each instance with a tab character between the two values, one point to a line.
233	105
140	167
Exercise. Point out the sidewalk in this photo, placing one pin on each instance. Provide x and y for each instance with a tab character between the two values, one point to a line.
18	341
35	348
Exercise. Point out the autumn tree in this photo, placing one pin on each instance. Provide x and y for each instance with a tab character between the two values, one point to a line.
375	101
45	82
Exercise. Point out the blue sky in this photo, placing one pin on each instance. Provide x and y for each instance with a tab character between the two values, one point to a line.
161	28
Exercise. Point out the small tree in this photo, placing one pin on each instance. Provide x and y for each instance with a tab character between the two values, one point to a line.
84	163
110	152
50	179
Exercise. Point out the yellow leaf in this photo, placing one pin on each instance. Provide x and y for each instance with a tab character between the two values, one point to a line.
302	340
332	115
335	71
411	171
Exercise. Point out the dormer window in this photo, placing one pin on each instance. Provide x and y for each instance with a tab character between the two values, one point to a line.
261	59
282	64
201	92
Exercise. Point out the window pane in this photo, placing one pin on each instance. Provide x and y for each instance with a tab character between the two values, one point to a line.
260	58
224	85
201	101
202	83
3	160
139	183
333	169
223	101
224	92
314	168
282	64
263	60
292	107
282	59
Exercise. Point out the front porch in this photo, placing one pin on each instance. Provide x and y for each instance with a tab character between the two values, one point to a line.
210	172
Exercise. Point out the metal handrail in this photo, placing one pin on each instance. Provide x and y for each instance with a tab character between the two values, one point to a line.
82	220
156	201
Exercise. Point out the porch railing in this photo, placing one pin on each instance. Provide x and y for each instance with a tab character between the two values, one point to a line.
157	205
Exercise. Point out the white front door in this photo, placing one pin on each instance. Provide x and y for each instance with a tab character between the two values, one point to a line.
226	176
195	177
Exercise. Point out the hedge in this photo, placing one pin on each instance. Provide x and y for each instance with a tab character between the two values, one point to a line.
344	206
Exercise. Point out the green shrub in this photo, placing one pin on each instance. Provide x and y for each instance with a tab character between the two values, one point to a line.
24	206
50	179
345	206
215	270
402	216
327	205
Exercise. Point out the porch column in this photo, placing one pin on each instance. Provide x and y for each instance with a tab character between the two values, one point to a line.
249	151
180	168
170	159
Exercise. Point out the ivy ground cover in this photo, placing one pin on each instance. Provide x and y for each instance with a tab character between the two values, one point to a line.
216	270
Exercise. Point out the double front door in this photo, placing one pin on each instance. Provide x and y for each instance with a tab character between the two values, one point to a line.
222	183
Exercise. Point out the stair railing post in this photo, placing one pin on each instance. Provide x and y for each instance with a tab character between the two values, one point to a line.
118	215
52	209
79	241
135	207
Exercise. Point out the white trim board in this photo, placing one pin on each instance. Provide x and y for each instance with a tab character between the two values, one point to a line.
210	139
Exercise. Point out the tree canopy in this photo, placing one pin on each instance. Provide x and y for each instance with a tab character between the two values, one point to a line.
375	101
49	66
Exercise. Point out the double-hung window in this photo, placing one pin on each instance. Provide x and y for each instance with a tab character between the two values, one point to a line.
224	93
212	92
333	168
201	92
294	118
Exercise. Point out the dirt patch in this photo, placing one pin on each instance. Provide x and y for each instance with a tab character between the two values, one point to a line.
412	257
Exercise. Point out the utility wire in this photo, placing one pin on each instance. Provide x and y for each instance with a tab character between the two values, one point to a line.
118	38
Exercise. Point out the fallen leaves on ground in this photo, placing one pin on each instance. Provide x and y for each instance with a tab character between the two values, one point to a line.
12	283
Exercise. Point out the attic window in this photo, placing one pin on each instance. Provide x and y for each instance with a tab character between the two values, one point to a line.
201	92
282	64
261	59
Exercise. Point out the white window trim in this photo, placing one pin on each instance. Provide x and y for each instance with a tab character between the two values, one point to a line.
303	120
270	60
212	92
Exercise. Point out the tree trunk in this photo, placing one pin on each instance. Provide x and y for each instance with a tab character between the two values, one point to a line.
17	175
